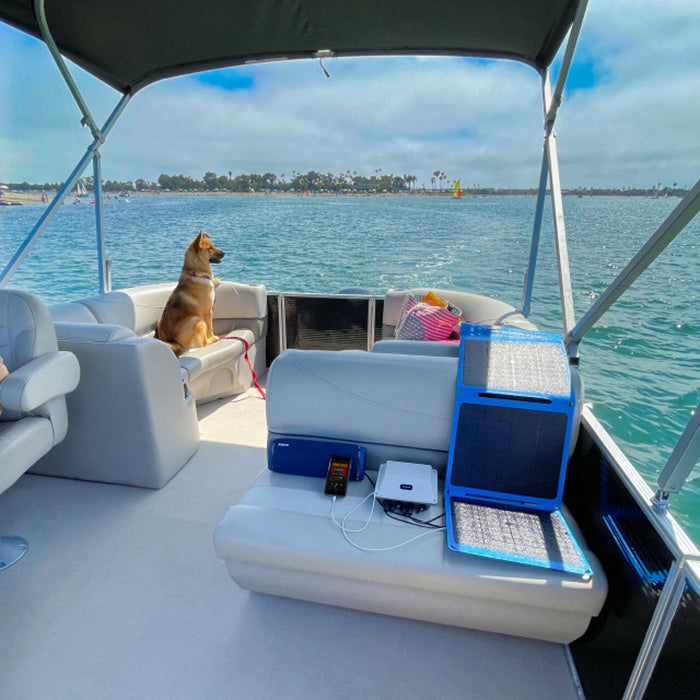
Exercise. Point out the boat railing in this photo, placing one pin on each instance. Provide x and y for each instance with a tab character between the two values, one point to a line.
681	462
683	579
675	586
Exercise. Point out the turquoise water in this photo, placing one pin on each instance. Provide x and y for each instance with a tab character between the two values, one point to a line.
640	364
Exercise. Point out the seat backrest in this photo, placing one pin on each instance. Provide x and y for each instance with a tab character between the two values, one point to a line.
475	309
137	308
26	328
26	332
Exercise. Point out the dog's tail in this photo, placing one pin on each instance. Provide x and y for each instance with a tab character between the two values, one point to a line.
172	344
175	347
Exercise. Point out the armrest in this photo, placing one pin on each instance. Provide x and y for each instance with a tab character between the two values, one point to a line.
132	420
134	364
44	378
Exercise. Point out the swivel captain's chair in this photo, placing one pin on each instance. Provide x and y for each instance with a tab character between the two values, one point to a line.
34	416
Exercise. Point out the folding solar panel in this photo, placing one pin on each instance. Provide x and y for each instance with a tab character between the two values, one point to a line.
511	432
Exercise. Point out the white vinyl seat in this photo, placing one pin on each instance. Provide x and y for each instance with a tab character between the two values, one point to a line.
33	417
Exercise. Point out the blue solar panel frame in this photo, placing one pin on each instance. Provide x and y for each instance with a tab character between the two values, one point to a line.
553	410
505	503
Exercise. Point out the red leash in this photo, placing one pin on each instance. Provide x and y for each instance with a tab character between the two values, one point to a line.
247	359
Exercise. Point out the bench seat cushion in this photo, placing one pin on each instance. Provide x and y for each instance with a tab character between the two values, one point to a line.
279	539
220	369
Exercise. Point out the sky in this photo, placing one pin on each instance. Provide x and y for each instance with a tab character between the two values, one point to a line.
629	117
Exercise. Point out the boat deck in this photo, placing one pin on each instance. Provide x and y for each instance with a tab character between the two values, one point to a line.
121	596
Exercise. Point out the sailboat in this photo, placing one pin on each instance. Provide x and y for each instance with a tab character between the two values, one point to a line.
80	191
457	190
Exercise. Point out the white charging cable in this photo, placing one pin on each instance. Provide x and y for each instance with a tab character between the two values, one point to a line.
345	530
341	525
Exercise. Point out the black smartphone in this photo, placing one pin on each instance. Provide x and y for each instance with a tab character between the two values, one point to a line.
337	476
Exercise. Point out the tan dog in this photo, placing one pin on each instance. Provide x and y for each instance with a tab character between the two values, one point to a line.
186	321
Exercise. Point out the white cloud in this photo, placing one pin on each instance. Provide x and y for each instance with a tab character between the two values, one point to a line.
637	126
444	117
480	122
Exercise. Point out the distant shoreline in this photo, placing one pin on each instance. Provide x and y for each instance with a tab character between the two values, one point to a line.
22	197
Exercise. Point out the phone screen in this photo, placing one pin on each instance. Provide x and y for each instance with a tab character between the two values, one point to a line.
337	477
339	468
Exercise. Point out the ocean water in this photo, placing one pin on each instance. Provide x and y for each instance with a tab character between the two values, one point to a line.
641	363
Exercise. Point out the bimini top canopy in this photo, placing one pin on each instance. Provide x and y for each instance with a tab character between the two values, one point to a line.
132	43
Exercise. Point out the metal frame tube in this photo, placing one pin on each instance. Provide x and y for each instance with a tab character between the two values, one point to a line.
565	290
104	282
535	241
40	13
371	315
550	167
282	323
62	193
551	114
675	222
682	460
656	632
92	152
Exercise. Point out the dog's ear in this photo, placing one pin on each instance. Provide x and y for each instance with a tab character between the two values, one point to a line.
201	241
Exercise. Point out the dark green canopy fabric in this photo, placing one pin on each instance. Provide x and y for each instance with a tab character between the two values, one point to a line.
131	43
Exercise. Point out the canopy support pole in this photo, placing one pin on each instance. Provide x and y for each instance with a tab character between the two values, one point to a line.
550	146
681	463
62	193
553	108
550	167
92	152
63	68
675	222
104	281
535	241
